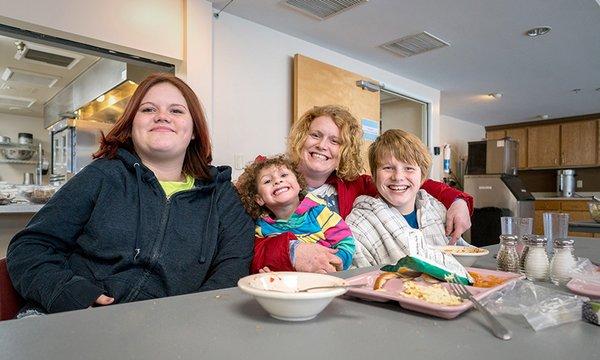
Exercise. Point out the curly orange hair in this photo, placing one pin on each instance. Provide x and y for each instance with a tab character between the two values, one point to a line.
350	134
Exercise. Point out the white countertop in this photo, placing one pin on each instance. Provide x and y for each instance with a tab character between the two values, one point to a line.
23	208
582	196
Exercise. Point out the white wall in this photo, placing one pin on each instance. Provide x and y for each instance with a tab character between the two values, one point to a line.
403	114
11	126
458	133
136	26
252	90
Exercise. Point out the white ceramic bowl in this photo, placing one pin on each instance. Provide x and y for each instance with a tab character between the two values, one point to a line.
291	305
466	255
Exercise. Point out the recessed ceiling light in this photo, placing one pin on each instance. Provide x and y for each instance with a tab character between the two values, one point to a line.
544	116
495	95
537	31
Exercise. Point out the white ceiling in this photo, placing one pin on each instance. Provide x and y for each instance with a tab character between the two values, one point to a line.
41	94
489	50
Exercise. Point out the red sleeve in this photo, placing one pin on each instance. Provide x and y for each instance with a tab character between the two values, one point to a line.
273	252
446	194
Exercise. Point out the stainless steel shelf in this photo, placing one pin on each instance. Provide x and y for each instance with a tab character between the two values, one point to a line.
19	146
26	162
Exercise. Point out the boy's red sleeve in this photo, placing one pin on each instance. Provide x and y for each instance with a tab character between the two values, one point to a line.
446	194
272	252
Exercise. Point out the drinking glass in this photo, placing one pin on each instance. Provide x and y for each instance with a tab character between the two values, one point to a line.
556	226
517	226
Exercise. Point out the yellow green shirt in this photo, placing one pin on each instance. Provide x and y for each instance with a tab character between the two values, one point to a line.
171	187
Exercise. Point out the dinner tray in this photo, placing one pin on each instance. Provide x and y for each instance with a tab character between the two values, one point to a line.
392	289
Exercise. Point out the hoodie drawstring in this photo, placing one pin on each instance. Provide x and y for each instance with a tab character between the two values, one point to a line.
202	243
138	234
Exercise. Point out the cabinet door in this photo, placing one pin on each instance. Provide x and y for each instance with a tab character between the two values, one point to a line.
495	134
579	142
520	134
543	146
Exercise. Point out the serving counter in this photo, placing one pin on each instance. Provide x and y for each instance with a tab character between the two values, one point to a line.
228	324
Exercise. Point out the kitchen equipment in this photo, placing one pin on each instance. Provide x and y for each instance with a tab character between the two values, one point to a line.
28	179
25	138
18	153
73	143
4	140
493	157
501	191
493	182
566	182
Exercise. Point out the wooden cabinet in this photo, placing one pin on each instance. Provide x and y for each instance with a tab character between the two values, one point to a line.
543	146
495	134
577	210
579	143
520	134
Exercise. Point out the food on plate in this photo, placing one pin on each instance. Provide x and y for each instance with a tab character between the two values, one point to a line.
459	250
434	263
383	278
485	281
401	273
435	294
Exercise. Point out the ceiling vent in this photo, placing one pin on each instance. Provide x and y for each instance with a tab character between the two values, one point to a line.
15	102
323	9
414	44
29	77
47	55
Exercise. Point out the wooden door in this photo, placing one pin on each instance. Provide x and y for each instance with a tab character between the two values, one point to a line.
579	143
495	134
520	134
543	146
317	83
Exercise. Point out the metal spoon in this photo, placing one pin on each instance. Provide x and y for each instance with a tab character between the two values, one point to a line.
320	287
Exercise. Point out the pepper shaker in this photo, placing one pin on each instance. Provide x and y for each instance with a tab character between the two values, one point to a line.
508	258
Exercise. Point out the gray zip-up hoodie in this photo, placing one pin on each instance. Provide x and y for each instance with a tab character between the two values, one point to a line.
111	230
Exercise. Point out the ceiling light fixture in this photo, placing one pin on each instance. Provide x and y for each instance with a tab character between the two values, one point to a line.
495	95
544	116
537	31
576	91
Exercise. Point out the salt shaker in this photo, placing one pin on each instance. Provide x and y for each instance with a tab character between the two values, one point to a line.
508	258
562	262
536	262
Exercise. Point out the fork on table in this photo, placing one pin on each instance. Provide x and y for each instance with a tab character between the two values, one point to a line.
497	328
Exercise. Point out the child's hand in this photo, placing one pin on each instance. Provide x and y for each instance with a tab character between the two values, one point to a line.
264	270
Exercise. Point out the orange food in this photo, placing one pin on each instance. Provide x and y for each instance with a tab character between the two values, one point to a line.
485	281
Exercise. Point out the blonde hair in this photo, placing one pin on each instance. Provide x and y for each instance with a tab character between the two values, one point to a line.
350	165
402	145
247	184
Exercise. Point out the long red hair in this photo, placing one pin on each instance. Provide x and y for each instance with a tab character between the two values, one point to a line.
198	155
